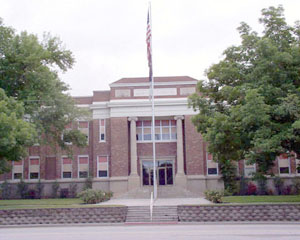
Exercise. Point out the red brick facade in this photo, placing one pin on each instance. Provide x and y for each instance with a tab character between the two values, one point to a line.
112	140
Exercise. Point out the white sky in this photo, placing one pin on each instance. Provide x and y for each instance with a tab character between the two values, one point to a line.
108	38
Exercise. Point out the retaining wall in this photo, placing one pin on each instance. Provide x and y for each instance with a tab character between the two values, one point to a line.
240	213
63	215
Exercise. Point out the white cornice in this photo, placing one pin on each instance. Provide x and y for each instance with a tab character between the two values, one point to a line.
147	84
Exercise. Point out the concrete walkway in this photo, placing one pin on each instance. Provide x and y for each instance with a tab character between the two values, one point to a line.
158	202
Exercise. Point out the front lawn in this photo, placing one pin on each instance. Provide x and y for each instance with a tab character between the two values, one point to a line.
44	203
262	199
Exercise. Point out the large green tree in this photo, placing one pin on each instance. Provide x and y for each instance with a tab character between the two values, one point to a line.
249	107
29	74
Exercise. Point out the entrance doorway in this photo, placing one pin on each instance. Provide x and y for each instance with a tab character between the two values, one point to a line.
164	172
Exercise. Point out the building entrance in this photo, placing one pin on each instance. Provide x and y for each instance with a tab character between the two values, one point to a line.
164	172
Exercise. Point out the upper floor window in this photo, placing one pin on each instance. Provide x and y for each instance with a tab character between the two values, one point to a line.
165	130
83	127
102	130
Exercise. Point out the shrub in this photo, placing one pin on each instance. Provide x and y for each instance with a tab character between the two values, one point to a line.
214	196
88	184
72	190
90	196
55	189
39	189
278	183
262	185
287	190
22	189
31	194
5	190
296	185
252	189
64	193
243	190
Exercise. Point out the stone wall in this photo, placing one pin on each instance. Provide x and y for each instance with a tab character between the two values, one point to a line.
63	215
240	213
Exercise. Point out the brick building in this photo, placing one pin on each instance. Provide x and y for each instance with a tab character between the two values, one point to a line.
119	152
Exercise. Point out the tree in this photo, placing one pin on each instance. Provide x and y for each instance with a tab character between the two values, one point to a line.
249	107
15	133
29	74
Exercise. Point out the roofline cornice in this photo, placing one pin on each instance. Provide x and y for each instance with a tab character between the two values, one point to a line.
147	84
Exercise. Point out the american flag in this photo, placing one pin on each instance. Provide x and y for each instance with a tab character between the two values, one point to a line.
148	41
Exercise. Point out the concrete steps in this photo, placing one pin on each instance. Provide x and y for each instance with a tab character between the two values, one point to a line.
141	214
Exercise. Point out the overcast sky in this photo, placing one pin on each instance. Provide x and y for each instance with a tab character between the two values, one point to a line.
108	37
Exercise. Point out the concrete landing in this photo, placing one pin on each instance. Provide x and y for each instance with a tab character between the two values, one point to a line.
158	202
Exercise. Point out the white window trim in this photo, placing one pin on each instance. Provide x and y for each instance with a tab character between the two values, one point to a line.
107	157
62	136
34	157
160	129
13	173
88	132
100	130
245	164
62	164
284	174
79	156
297	161
207	167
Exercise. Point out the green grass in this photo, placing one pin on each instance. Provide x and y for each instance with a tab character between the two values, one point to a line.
262	199
46	203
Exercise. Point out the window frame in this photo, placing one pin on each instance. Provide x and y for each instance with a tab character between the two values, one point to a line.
289	161
29	172
207	174
245	164
62	164
107	162
100	132
160	127
88	129
13	173
78	164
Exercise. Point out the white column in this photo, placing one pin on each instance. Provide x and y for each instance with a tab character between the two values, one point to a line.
180	163
133	149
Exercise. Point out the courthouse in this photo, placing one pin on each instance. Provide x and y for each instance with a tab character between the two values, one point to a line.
119	156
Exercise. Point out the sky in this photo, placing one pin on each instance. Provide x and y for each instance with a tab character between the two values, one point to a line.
108	37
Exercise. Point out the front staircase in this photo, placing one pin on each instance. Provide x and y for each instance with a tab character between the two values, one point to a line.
161	214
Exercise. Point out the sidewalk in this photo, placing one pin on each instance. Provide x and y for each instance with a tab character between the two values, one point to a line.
158	202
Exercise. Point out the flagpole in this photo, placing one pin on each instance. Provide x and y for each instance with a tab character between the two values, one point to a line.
153	113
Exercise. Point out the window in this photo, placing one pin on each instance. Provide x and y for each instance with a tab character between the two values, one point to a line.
68	127
34	168
17	169
83	166
83	127
212	167
249	169
102	137
102	166
284	164
66	167
298	166
165	130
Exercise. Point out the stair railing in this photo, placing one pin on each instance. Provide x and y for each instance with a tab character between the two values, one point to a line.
151	206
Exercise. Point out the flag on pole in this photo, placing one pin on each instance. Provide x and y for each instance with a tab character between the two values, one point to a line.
149	47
